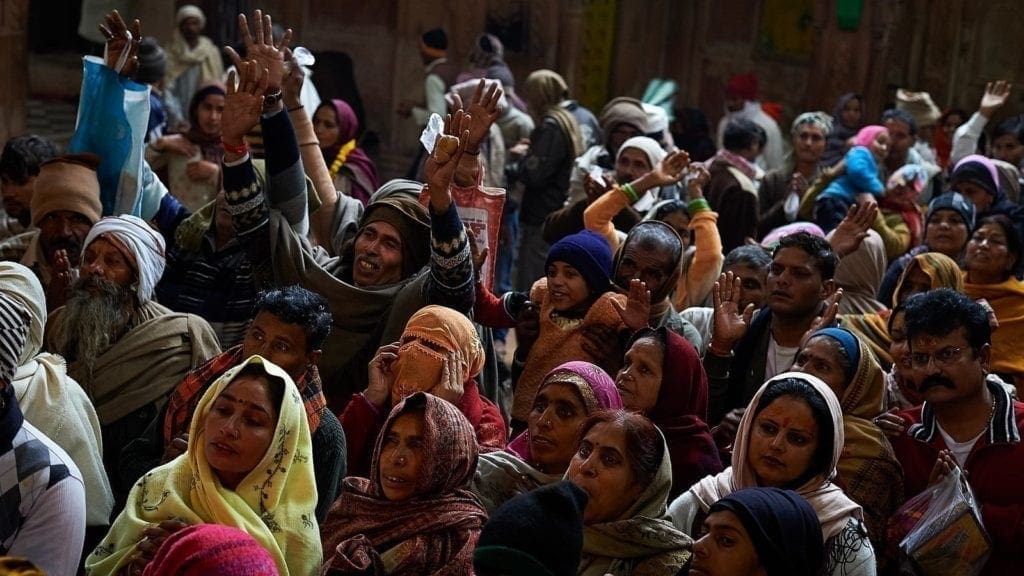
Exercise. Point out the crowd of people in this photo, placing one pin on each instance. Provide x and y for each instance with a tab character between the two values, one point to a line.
749	359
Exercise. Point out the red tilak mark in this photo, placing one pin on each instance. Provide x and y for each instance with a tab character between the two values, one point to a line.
785	423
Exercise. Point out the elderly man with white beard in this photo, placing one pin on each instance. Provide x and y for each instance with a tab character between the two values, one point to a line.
126	350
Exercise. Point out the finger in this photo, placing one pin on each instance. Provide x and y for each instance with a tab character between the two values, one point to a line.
619	308
263	76
235	58
478	92
286	40
232	86
447	126
106	32
268	30
243	27
137	30
716	295
748	313
257	24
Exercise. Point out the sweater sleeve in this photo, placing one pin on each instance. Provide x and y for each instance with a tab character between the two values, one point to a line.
862	172
52	536
286	175
361	422
329	461
894	232
694	286
717	369
451	266
489	310
598	216
1005	524
965	139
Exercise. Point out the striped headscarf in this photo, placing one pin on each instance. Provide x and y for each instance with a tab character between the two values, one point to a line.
14	320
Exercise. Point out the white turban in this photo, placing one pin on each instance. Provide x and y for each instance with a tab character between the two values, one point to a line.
190	11
145	244
655	153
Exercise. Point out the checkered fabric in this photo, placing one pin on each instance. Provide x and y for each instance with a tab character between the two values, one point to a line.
28	468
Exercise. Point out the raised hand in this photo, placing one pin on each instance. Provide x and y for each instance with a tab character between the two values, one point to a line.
62	279
243	103
699	178
483	111
122	47
291	84
994	97
670	169
636	313
381	377
827	318
853	229
731	323
440	166
944	465
262	48
478	254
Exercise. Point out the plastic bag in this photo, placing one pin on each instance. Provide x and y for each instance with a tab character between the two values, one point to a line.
480	210
944	532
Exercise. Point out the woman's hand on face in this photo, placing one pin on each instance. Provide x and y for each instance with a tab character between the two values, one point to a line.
381	377
636	313
891	424
730	322
243	103
453	382
118	40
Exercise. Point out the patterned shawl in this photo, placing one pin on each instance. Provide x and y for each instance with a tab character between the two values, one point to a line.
433	532
182	404
641	542
834	508
594	386
274	504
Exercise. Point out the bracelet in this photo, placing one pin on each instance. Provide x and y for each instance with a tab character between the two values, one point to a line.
630	193
294	108
236	150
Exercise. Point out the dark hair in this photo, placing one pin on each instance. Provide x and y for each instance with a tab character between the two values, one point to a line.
645	447
1013	126
941	311
817	248
1013	240
651	235
22	156
900	116
296	305
953	112
899	309
663	209
747	255
798	388
741	134
275	384
645	333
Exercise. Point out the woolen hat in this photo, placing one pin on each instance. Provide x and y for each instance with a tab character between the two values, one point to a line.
211	549
588	252
742	86
69	183
152	62
536	533
978	170
956	202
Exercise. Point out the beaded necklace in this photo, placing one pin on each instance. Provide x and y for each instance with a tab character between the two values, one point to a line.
339	160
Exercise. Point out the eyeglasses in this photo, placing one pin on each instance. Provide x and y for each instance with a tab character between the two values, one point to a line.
943	357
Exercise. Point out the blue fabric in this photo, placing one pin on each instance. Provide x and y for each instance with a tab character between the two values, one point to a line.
861	176
588	252
849	343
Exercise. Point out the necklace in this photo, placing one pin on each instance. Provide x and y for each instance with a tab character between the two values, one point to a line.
339	160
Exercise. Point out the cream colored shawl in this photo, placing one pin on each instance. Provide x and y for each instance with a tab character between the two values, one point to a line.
274	504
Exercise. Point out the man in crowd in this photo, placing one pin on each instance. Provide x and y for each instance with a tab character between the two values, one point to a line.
440	74
732	190
126	350
741	102
621	119
781	191
192	60
19	166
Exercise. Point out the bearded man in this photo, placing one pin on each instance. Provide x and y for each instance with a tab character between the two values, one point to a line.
127	351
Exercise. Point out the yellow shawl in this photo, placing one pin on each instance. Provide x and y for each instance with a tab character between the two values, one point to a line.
274	504
1007	300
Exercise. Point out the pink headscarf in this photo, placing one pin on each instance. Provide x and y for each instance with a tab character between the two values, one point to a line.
867	135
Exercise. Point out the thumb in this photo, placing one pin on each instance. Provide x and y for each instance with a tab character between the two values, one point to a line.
748	313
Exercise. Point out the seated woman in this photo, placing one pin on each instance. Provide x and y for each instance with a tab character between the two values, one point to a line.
623	465
846	365
541	454
248	466
662	378
791	436
439	352
351	170
414	513
992	265
759	532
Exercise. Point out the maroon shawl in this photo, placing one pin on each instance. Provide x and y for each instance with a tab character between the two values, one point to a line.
680	414
434	532
365	180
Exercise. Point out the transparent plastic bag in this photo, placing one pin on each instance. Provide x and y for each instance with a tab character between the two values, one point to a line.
946	534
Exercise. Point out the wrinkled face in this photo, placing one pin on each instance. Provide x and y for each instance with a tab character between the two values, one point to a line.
795	286
809	143
631	164
680	222
753	284
639	379
102	259
821	357
947	233
17	197
209	112
325	125
988	252
946	370
567	289
378	255
1008	149
63	230
401	457
915	282
851	114
978	196
783	440
601	469
655	267
554	425
239	428
725	549
880	146
190	28
281	342
900	139
619	135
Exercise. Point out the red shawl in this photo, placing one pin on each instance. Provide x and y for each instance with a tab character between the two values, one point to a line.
436	531
680	414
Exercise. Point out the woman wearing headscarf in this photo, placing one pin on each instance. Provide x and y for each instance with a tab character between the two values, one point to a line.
759	532
791	436
848	116
543	172
662	378
439	352
351	170
414	513
622	463
540	455
248	466
867	463
977	178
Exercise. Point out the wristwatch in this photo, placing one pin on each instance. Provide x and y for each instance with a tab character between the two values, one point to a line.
271	99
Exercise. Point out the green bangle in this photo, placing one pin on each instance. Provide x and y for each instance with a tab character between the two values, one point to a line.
698	205
630	193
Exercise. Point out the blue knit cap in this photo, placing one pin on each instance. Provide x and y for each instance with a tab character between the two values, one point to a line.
588	252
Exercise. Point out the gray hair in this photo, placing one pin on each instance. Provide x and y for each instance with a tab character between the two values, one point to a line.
819	119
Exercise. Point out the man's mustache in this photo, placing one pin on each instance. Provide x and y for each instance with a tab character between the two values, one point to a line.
933	381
